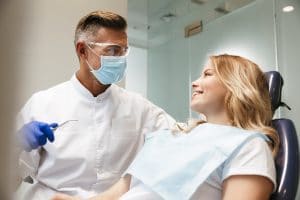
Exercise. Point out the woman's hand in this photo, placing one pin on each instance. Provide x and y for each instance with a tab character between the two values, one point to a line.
60	196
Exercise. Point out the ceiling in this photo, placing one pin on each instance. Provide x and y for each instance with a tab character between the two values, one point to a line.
146	16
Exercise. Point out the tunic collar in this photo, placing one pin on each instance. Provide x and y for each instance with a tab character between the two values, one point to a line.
87	94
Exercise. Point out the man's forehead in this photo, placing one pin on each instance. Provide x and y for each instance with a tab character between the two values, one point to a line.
111	35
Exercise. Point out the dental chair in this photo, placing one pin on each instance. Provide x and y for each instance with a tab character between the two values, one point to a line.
287	159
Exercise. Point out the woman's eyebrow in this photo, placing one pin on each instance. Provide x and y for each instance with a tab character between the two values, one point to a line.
208	70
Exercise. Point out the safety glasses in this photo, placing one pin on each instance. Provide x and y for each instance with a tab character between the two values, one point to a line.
110	49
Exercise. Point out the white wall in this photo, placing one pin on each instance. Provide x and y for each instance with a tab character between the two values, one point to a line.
46	52
9	38
136	74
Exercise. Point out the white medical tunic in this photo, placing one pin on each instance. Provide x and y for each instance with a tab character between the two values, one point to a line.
88	155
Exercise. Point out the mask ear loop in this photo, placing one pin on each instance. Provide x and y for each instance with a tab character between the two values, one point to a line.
89	65
92	50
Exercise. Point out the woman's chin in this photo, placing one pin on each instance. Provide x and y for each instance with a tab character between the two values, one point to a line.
195	108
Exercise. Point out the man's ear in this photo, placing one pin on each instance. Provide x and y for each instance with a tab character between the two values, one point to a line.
81	50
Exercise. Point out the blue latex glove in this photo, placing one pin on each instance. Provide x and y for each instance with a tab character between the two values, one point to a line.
35	134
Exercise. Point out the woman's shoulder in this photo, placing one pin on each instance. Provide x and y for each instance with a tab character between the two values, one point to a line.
252	158
254	149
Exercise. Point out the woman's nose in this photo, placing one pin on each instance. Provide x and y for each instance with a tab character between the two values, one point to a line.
195	83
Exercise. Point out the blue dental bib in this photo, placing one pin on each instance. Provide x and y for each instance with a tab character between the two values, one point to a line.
175	165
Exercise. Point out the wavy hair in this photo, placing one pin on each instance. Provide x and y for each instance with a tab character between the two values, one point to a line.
247	102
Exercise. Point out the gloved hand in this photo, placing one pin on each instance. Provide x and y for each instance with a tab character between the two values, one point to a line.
35	134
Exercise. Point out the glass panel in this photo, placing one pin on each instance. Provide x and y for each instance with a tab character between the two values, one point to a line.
236	27
243	27
247	32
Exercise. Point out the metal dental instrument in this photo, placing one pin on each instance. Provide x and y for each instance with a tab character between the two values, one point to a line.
64	123
29	179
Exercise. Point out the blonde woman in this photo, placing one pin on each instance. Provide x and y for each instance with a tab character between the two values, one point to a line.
228	156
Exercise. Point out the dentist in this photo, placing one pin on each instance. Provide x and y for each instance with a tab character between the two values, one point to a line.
88	155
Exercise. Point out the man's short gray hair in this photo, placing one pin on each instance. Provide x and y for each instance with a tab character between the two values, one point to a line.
88	26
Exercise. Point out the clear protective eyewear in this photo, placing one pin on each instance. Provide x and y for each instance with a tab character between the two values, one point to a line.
111	49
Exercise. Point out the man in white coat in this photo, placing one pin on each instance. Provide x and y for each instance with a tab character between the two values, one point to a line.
90	153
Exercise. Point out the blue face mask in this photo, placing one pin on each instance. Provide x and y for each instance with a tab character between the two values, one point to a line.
112	69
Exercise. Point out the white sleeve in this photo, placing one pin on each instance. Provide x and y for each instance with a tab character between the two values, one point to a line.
253	158
157	119
28	161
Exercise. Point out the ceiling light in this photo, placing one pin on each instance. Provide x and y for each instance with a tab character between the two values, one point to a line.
288	8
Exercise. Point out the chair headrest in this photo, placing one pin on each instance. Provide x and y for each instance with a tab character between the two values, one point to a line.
275	82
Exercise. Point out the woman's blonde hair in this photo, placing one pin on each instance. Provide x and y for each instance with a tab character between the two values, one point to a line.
247	102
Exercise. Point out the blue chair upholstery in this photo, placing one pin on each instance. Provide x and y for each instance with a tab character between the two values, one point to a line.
287	159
